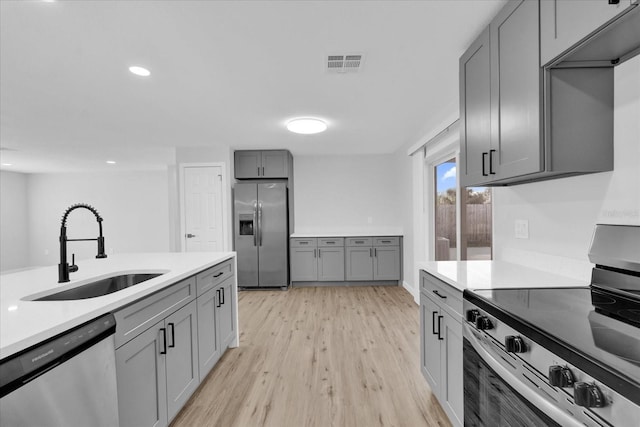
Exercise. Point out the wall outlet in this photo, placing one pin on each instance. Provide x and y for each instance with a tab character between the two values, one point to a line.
522	229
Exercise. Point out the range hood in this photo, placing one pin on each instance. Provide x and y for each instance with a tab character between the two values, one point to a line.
610	45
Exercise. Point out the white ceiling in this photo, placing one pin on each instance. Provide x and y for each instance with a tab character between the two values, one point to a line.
223	72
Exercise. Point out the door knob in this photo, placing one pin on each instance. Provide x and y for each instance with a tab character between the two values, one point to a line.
189	235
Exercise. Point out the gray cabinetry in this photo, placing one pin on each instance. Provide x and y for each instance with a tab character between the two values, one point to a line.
252	164
216	318
520	122
168	341
563	23
304	263
317	259
182	357
157	371
359	263
386	263
441	344
475	110
141	377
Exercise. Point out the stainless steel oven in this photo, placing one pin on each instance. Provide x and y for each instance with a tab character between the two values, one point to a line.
559	356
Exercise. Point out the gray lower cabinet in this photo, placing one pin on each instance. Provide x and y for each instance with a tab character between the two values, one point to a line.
441	344
386	263
317	260
157	371
216	325
330	264
359	263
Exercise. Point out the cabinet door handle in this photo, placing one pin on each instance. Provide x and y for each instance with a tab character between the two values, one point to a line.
375	252
433	323
164	341
222	293
491	162
218	304
484	172
263	171
440	328
258	170
173	334
435	291
370	253
319	253
314	254
219	274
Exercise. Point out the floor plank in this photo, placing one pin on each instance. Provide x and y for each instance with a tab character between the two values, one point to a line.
325	356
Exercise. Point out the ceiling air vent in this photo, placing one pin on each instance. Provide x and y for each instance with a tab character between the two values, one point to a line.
344	63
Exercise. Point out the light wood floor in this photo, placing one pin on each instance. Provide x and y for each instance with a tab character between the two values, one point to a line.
326	356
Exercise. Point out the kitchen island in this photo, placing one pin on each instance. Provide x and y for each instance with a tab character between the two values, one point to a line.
170	331
24	323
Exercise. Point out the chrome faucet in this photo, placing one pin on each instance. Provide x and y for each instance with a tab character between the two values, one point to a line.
64	268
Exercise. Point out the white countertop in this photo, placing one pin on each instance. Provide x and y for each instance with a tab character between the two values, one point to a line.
24	323
495	274
368	233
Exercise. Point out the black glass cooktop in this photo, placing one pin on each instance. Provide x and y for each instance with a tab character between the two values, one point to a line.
601	330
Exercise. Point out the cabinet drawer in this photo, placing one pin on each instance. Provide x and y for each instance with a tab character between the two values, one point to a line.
141	315
447	296
329	242
213	276
359	241
304	243
386	241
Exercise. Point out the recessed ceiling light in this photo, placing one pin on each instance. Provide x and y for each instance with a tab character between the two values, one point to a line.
12	308
111	162
140	71
306	125
7	164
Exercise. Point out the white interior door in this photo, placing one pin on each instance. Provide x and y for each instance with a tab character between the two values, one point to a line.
203	211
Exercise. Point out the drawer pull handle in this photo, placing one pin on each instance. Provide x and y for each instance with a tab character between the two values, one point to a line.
385	241
435	291
433	323
219	274
173	334
304	243
359	242
330	242
164	341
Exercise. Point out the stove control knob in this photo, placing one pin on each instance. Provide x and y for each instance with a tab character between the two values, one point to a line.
515	344
483	323
472	315
560	376
588	395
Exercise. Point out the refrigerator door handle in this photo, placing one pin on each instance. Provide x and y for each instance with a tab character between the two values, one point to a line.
255	231
259	223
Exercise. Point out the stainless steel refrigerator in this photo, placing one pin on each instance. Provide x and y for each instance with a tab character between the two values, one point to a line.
261	234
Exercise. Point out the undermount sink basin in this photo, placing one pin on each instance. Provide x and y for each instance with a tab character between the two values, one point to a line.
100	287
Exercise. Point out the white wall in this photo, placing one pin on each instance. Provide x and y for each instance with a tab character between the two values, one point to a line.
341	193
14	228
134	206
562	213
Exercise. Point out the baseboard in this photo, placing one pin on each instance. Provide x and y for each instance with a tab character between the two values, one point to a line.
413	291
346	283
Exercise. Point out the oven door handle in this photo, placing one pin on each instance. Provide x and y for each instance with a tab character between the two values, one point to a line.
552	411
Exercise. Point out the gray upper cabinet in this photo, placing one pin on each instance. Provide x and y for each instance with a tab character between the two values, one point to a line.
257	164
475	110
515	91
563	23
520	122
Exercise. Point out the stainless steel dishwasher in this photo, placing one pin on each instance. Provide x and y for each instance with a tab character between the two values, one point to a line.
69	380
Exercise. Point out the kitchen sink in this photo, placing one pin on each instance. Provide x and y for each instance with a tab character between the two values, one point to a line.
100	287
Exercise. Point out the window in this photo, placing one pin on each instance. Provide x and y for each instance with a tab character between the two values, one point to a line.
459	220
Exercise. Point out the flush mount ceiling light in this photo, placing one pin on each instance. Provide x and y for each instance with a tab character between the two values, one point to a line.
111	162
140	71
306	125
